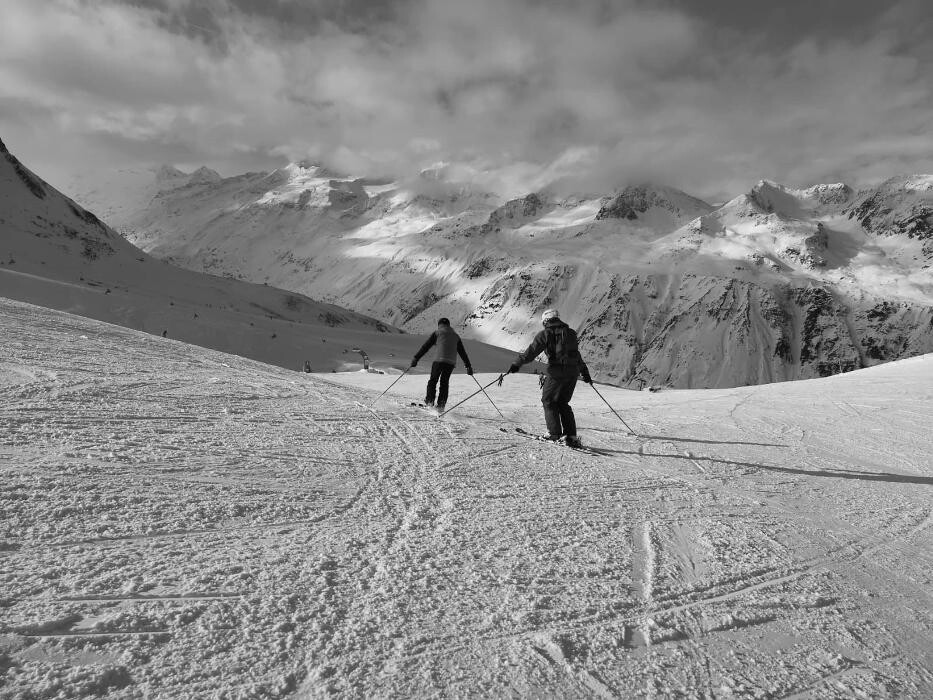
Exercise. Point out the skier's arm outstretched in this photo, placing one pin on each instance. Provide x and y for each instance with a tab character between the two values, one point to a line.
538	345
428	344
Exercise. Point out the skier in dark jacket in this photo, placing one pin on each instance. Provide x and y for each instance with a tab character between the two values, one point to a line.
449	346
564	365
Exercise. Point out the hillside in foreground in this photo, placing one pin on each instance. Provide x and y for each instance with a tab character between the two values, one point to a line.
181	523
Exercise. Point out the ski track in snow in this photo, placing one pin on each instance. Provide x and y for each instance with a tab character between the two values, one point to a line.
181	523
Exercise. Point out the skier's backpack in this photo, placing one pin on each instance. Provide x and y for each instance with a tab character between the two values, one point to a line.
562	346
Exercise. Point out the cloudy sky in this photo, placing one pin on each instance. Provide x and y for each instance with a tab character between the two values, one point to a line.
708	96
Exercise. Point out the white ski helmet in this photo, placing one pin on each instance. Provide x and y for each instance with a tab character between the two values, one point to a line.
548	315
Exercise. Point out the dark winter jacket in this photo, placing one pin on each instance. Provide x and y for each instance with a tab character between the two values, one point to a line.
544	342
448	344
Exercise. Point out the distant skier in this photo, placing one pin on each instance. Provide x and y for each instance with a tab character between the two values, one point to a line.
564	365
449	346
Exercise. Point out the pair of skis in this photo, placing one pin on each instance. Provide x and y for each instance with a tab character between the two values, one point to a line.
531	436
524	433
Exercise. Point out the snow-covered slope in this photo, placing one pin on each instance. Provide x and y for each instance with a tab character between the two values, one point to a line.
777	284
57	254
179	523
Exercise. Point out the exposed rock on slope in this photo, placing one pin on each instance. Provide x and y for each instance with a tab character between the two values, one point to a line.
901	206
634	202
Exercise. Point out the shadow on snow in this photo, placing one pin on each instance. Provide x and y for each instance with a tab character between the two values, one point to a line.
832	473
713	442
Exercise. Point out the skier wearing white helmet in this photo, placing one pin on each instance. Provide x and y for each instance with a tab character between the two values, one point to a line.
564	366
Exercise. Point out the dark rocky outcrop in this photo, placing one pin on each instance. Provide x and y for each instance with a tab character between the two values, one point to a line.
901	206
33	183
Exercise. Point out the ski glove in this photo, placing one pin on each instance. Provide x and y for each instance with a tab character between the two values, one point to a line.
514	368
414	363
469	371
587	378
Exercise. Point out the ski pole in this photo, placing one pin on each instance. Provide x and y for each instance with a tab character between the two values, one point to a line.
487	396
613	410
482	388
390	386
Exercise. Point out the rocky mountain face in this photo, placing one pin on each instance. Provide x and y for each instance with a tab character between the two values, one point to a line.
900	207
635	202
665	289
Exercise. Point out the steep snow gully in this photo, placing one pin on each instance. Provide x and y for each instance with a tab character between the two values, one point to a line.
177	522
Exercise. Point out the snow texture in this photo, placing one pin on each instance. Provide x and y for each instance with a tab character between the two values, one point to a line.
181	523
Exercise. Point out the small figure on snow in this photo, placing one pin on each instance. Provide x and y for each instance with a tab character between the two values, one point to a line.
564	366
449	346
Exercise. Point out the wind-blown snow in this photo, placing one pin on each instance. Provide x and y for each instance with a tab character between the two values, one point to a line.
182	523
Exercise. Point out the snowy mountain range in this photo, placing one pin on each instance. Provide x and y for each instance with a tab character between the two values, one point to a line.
776	284
57	254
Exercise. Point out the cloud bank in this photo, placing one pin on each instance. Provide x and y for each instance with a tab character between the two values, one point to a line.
521	92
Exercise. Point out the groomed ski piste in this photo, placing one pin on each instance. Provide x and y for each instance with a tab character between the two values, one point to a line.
181	523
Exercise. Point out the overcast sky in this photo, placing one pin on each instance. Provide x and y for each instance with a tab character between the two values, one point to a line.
707	96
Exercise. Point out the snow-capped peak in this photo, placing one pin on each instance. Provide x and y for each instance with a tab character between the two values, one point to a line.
828	194
635	201
769	197
772	197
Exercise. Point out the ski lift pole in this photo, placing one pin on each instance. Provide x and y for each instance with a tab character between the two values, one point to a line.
481	388
613	410
488	397
390	386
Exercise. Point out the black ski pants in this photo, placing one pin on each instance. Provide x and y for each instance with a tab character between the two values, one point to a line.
555	396
439	371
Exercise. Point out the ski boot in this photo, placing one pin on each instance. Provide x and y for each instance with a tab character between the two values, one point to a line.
573	441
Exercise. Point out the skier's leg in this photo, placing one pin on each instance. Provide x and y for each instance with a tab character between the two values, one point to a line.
432	383
566	412
445	372
550	396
